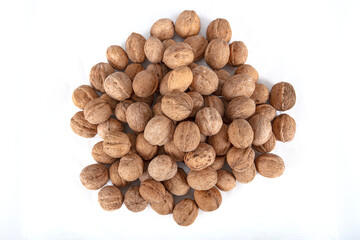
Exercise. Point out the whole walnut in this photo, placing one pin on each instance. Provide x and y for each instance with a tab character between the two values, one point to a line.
198	102
162	168
131	167
81	126
82	95
120	110
209	121
116	144
208	200
173	151
260	94
115	177
238	53
240	158
246	175
220	141
163	29
177	105
218	163
94	176
156	109
284	128
117	57
100	156
98	73
240	108
202	157
266	110
97	111
152	191
205	80
240	133
132	69
219	28
179	79
262	129
185	212
137	116
226	180
249	70
146	150
187	24
111	125
135	48
215	102
202	180
160	69
178	185
269	165
178	55
134	201
282	96
110	198
154	50
187	136
268	146
148	100
198	44
168	42
217	53
145	83
159	130
238	85
118	86
165	206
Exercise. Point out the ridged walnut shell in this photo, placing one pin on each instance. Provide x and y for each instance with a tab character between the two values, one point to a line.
270	165
94	176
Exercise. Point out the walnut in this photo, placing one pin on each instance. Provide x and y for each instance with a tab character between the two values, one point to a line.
152	191
146	150
219	28
118	86
178	185
240	133
262	129
284	128
110	198
135	48
221	142
209	121
137	116
249	70
177	105
187	24
202	180
178	55
217	53
187	136
269	165
82	95
131	167
134	201
81	126
282	96
208	200
198	44
202	157
226	180
238	53
240	158
116	144
159	130
154	50
120	110
238	85
145	83
94	176
185	212
162	168
165	206
98	73
111	125
117	57
97	111
100	156
246	175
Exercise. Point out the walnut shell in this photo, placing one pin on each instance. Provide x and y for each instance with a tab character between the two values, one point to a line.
240	108
94	176
120	110
202	157
202	180
134	201
137	116
262	129
156	109
145	176
154	50
208	200
282	96
240	158
165	206
173	151
249	70
100	156
82	95
185	212
246	175
177	105
152	191
198	102
117	57
240	133
179	79
238	53
118	86
198	44
98	73
215	102
110	198
220	141
131	167
159	130
146	150
162	168
178	184
187	136
187	24
226	180
160	70
164	86
238	85
115	177
112	102
219	28
81	126
222	75
284	128
218	163
209	121
266	110
178	55
163	29
148	100
132	69
217	53
260	94
269	165
135	48
116	144
268	146
111	125
168	42
97	111
145	83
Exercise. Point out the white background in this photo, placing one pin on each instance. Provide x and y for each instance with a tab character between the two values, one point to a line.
47	49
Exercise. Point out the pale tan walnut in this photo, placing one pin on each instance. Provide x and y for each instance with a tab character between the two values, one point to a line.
131	167
81	126
266	110
116	144
185	212
154	50
240	108
111	125
100	156
270	165
132	69
215	102
178	184
145	83
152	191
187	24
163	29
82	95
218	163
268	146
115	177
226	180
137	116
132	138
223	75
205	80
217	53
168	42
120	110
118	86
198	102
110	198
246	175
134	201
198	44
97	111
187	136
165	206
282	96
160	69
173	151
208	200
238	85
202	157
220	141
261	94
112	102
179	79
162	167
284	128
117	57
238	53
209	121
219	28
249	70
178	55
159	130
202	180
177	105
163	86
148	100
146	150
135	48
94	176
156	109
98	73
240	133
262	129
240	158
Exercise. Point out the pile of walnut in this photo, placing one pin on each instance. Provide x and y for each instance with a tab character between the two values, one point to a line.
179	111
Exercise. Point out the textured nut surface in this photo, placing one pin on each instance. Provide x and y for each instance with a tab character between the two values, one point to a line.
118	86
81	126
208	200
137	116
198	44
187	136
217	53
134	201
165	206
179	79
117	57
178	55
177	105
160	69
112	102
163	86
262	129
202	157
240	158
162	167
100	156
159	130
215	102
270	165
82	95
146	150
145	83
173	151
282	96
209	121
260	94
110	125
222	75
187	24
240	133
152	191
266	110
202	180
178	184
185	212
120	110
148	100
198	102
240	108
135	48
238	85
168	42
97	111
246	175
226	180
116	144
115	177
268	146
249	70
205	80
94	176
110	198
163	29
218	163
132	69
154	50
131	167
219	28
284	128
238	53
220	141
98	73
